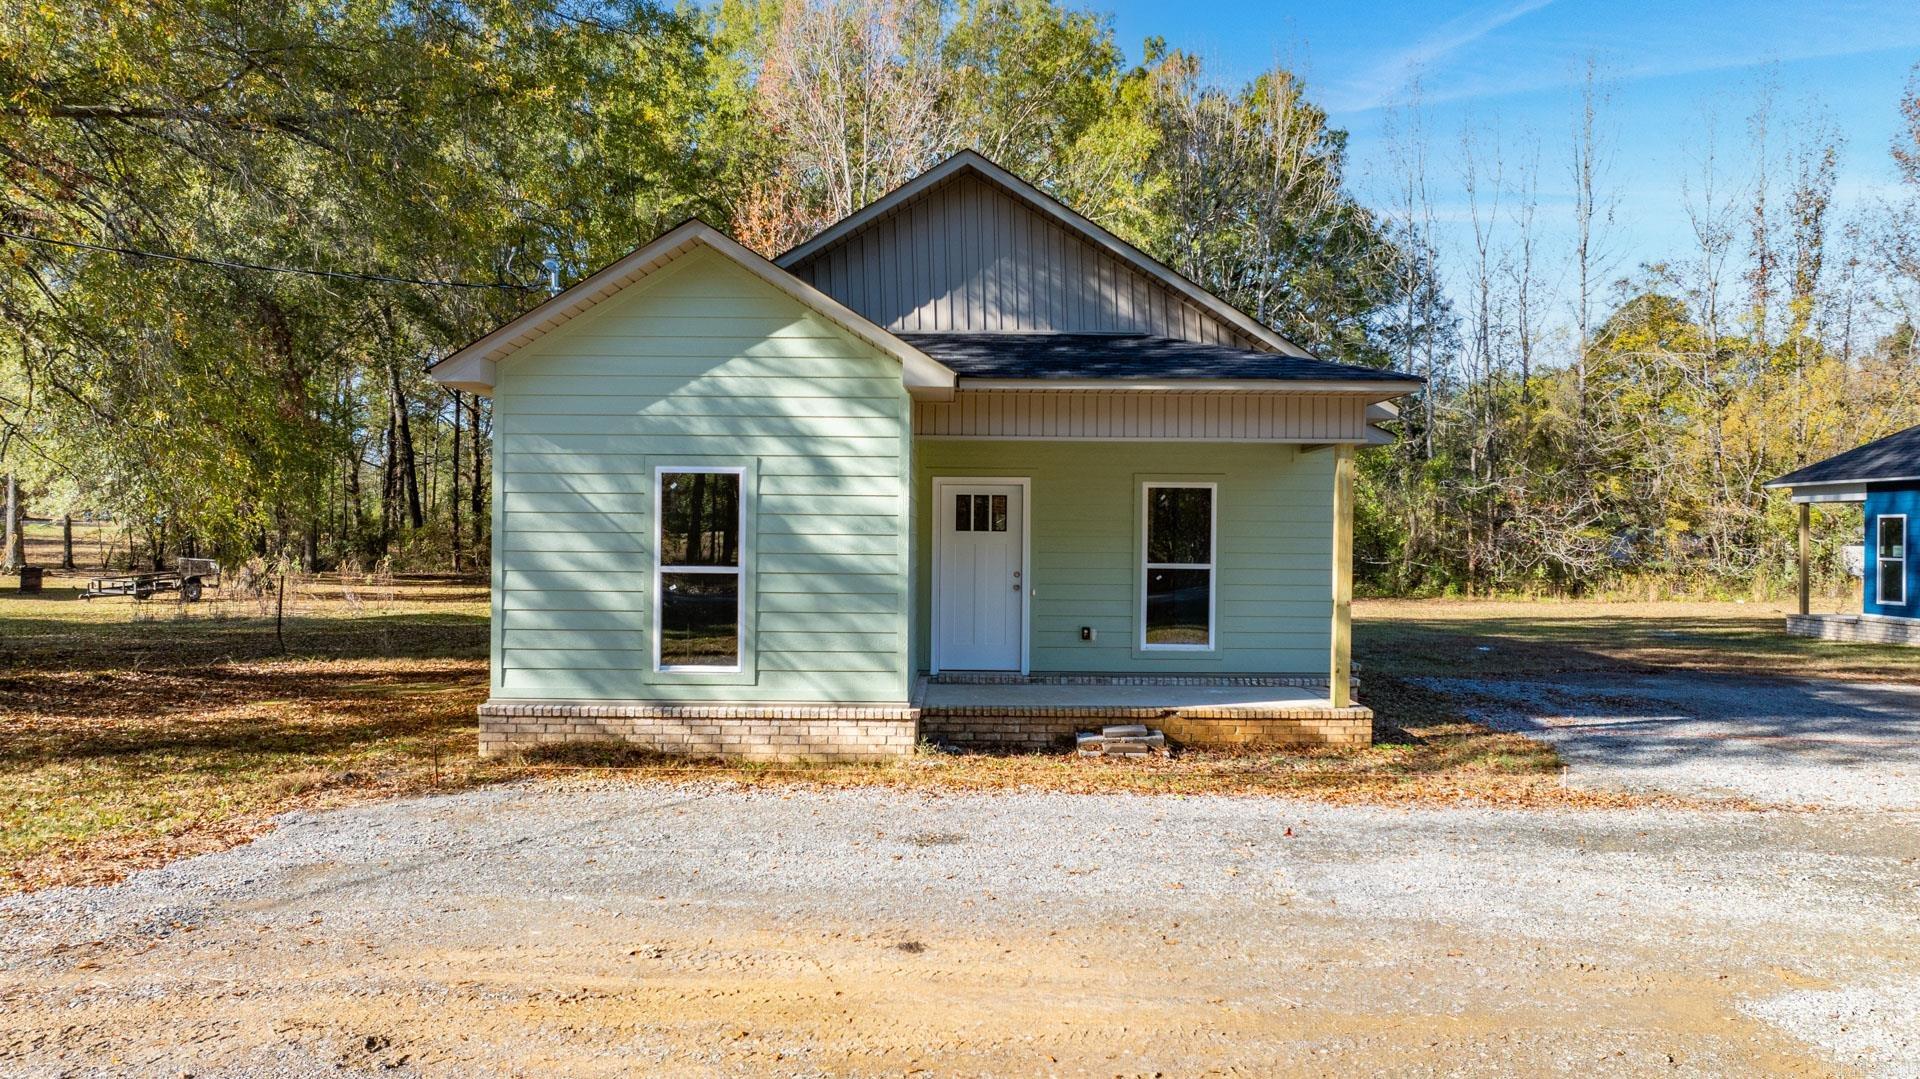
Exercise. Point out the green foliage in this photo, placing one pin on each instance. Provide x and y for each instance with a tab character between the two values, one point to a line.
455	160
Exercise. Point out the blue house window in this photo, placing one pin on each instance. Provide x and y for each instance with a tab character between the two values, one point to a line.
1890	550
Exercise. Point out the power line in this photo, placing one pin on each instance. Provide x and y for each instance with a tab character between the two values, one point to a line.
230	264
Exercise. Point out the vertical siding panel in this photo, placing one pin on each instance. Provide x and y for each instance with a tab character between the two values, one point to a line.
937	277
887	237
970	264
920	290
1108	414
1012	256
1025	270
989	317
968	257
927	229
989	269
1009	300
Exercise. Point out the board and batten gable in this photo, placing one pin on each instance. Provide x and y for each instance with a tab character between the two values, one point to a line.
967	256
702	363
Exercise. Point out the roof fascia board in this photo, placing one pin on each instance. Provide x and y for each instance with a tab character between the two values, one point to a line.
474	365
1809	485
1841	492
1387	388
1054	208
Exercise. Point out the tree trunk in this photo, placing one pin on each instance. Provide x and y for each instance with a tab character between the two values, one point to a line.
16	530
454	479
66	541
390	483
351	526
403	428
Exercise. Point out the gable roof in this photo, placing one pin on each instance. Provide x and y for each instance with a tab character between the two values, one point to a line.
972	163
1895	457
1136	357
472	367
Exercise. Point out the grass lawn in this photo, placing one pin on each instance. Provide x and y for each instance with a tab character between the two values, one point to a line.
1517	639
141	732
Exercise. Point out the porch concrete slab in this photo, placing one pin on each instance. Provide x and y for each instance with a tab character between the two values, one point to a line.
1020	696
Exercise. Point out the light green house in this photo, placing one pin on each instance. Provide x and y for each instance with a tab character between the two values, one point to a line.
963	466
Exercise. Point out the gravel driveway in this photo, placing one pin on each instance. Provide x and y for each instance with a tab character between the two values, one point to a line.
1774	740
693	930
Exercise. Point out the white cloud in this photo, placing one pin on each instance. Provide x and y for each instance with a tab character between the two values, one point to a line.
1377	85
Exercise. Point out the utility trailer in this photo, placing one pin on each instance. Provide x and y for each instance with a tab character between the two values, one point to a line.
189	577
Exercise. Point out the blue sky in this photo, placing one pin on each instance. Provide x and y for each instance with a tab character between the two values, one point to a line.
1513	66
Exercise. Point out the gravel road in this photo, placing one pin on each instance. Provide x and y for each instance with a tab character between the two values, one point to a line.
698	930
1774	740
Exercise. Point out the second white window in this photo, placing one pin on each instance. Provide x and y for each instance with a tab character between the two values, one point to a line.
1177	589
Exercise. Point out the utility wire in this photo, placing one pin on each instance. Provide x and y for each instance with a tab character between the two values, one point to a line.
229	264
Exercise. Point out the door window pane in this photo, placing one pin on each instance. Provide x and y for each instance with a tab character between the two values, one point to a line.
980	523
699	619
699	519
1180	525
962	513
999	513
1177	604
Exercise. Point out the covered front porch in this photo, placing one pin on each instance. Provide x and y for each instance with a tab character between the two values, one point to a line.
1882	478
1167	544
1045	710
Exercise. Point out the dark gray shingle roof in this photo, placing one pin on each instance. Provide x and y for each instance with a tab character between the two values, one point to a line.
1895	457
1124	357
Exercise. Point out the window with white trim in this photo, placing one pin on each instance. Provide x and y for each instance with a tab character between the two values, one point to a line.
1890	550
698	526
1177	581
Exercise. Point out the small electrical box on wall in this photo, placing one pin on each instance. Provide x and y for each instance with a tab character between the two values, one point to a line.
1086	633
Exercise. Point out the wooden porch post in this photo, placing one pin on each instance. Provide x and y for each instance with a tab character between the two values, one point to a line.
1340	676
1806	549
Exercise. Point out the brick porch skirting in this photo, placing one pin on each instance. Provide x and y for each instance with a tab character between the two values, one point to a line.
754	731
1044	726
1854	627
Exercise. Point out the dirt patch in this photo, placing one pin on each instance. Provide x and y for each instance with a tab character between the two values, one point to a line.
701	931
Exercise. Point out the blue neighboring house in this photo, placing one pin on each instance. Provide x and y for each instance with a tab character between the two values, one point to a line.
1884	478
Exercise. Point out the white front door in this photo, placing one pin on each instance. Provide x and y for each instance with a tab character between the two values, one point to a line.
980	580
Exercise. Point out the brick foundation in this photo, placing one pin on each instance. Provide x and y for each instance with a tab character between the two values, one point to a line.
754	732
878	732
1854	627
1039	728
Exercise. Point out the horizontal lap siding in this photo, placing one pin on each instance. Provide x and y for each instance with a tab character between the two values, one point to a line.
707	364
1273	552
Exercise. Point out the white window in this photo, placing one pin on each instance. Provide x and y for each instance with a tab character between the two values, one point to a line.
1176	590
698	528
1890	549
